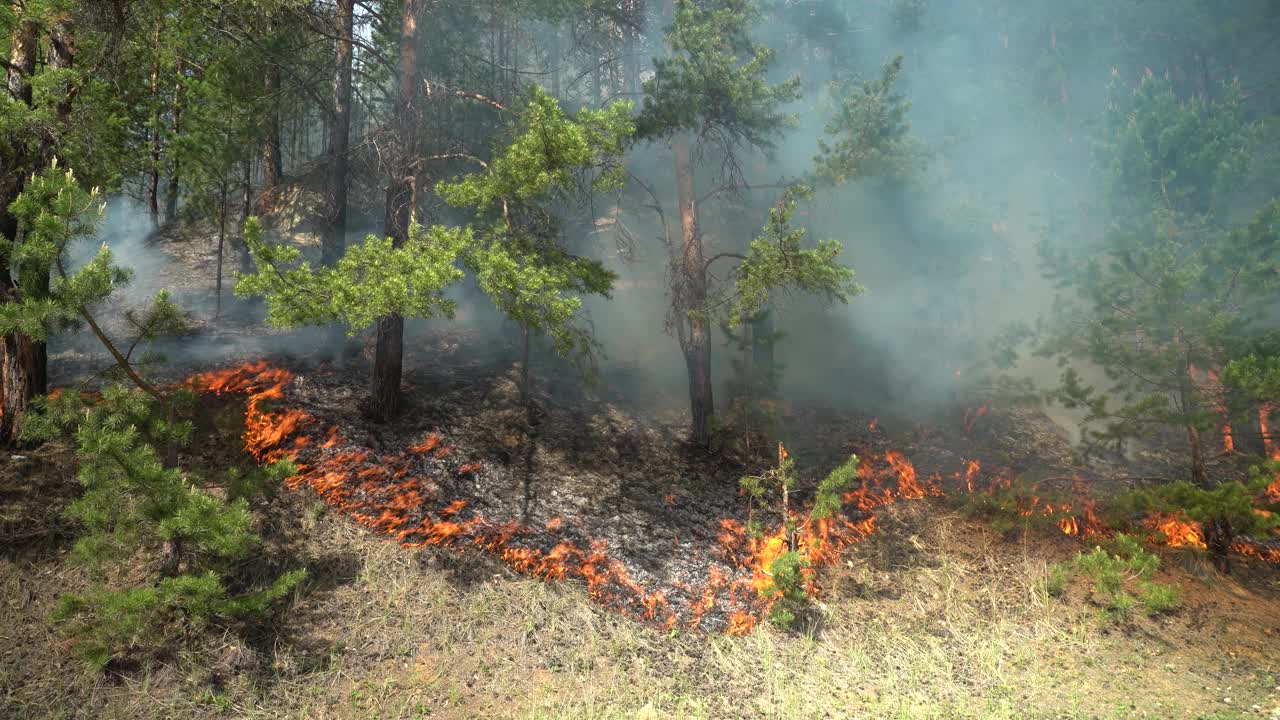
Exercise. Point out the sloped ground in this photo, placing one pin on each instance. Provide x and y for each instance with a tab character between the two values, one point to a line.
930	617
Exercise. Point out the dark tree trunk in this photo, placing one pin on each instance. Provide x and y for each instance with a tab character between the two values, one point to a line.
272	163
246	209
388	356
153	191
762	344
1199	474
20	374
222	240
171	191
334	241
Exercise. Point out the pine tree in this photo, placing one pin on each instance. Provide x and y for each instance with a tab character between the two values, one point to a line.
1174	282
528	276
135	500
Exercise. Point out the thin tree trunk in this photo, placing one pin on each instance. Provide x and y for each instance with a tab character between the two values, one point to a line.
153	204
246	263
555	62
524	370
171	192
272	163
16	363
1199	475
334	241
222	239
389	350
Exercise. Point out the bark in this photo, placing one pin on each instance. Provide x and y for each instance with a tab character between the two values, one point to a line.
691	300
222	239
246	263
334	241
272	163
389	349
153	191
1199	474
171	192
17	381
762	344
555	62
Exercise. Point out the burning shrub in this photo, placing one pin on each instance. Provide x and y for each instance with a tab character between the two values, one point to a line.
135	507
786	557
1018	504
1182	514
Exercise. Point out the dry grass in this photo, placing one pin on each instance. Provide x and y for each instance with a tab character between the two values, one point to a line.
931	618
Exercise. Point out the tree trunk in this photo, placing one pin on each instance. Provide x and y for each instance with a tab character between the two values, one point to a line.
18	371
272	163
246	263
171	192
762	346
1199	474
222	240
153	192
555	63
334	241
691	302
389	350
1218	535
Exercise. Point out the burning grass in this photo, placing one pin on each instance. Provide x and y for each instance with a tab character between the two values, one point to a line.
425	494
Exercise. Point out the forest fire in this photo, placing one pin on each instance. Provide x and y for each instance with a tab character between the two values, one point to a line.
412	496
1272	449
1176	531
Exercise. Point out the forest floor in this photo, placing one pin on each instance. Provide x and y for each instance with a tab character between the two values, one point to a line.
933	615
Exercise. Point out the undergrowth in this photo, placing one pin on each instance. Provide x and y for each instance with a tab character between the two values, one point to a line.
1121	576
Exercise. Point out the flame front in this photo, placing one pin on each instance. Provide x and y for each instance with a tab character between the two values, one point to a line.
399	495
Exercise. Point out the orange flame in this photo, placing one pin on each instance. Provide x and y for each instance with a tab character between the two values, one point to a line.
1176	530
399	496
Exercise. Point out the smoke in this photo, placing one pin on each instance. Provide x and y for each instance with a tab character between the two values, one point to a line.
947	257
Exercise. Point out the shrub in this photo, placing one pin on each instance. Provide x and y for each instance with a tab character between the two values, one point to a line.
1123	563
135	509
1224	511
787	586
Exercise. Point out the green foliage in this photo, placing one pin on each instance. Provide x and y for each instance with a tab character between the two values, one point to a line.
517	261
828	496
868	134
787	584
1113	571
1018	505
132	507
54	212
547	154
1173	282
1057	579
1157	597
715	80
777	261
1233	503
373	280
787	587
513	256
